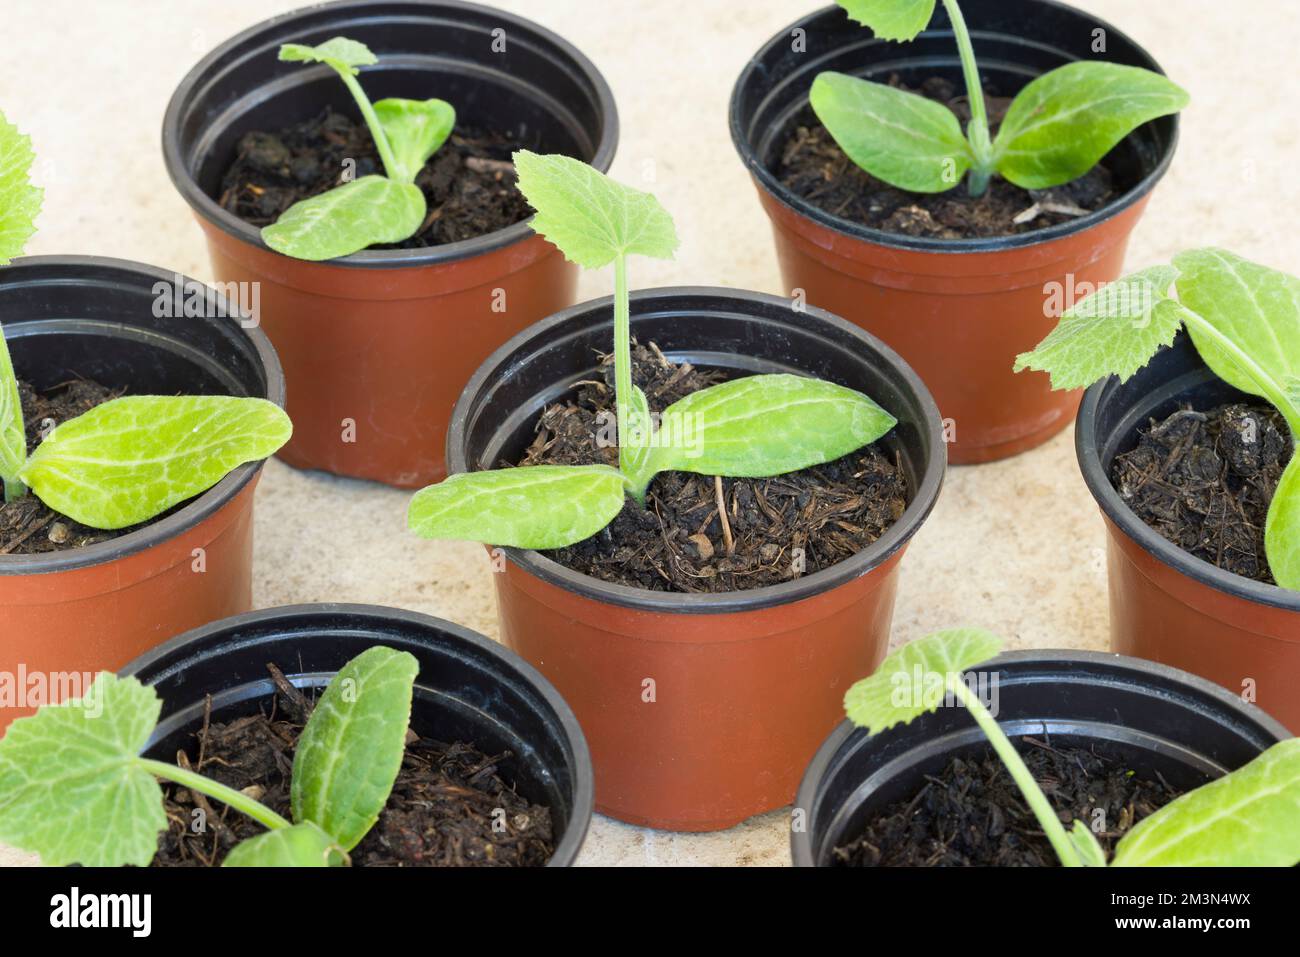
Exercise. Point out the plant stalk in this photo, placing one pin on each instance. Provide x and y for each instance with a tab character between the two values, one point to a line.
226	795
1024	779
977	130
391	167
14	490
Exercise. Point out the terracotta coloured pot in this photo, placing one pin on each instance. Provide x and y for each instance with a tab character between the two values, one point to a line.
1157	719
1166	604
68	613
377	346
468	689
958	310
701	710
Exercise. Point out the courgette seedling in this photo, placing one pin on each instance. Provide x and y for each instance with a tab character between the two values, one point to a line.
1248	818
371	209
754	427
1057	128
129	459
75	789
1244	320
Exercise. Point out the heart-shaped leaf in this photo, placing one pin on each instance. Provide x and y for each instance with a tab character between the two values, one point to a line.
349	753
347	219
342	54
20	201
415	129
302	845
132	458
891	19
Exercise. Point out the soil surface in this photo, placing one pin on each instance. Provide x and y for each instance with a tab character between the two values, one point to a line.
469	183
813	166
1204	481
441	812
29	526
779	528
973	814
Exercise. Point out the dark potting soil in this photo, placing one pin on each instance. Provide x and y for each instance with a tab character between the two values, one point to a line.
972	814
778	528
813	166
29	526
1204	481
441	812
469	182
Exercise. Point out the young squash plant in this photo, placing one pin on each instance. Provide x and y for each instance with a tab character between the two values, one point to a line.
75	789
1248	818
371	209
755	427
1244	320
129	459
1057	128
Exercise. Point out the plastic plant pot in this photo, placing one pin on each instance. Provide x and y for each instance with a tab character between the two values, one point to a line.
1157	719
94	608
744	684
958	310
376	346
468	689
1166	604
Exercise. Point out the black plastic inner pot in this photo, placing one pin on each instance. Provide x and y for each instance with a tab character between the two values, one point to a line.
538	88
468	689
69	317
1157	718
746	332
1109	419
1015	41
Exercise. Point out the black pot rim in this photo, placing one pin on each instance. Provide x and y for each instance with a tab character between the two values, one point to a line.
863	562
206	504
584	791
880	237
805	798
204	206
1151	541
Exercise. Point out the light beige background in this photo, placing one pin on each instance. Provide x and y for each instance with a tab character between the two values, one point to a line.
1015	546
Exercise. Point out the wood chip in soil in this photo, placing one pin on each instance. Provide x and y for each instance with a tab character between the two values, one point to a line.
972	814
780	528
450	805
469	183
813	167
1204	481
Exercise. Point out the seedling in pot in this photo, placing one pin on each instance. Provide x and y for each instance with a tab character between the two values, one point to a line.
755	427
372	209
1244	320
1248	818
1057	128
130	459
75	790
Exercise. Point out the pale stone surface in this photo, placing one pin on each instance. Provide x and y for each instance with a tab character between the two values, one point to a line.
1016	546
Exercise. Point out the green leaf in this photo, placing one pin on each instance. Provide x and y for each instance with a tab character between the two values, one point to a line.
70	788
766	425
132	458
902	138
893	695
1282	528
340	53
1249	818
20	201
891	19
1114	331
1256	307
350	751
415	129
591	218
347	219
536	506
303	845
1085	843
13	437
1061	124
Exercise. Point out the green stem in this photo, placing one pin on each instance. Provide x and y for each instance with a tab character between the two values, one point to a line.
14	489
977	130
623	368
1015	764
391	166
197	782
